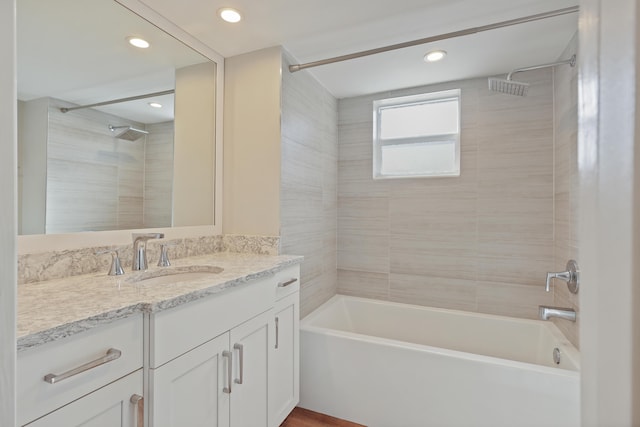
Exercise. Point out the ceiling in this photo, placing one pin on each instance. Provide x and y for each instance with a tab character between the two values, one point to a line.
312	30
75	50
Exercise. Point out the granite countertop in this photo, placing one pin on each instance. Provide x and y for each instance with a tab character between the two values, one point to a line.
55	309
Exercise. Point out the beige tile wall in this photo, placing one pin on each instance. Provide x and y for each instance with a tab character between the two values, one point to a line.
566	183
308	188
480	242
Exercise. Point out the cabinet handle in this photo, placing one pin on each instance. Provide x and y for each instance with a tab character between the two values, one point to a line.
228	355
277	331
112	354
287	282
240	349
138	401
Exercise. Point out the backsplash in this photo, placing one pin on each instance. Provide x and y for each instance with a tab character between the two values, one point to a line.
38	267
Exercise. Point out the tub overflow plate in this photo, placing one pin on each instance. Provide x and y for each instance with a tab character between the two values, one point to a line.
556	355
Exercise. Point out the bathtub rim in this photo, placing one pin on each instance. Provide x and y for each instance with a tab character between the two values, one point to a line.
306	324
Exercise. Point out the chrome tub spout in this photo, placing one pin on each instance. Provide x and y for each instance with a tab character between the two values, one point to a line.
546	312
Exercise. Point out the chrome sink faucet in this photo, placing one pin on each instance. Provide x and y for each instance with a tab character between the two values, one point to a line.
546	312
139	249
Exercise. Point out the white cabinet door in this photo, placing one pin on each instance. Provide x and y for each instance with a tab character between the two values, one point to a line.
249	344
284	390
110	406
188	391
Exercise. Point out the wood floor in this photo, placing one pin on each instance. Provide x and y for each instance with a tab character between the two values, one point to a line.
306	418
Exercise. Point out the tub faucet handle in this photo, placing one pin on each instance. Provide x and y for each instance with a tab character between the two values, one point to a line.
571	276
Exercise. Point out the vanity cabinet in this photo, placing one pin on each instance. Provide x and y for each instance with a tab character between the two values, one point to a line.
186	391
84	379
284	358
228	359
219	383
214	361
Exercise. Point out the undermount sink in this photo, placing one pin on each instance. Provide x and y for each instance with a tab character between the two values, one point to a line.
170	275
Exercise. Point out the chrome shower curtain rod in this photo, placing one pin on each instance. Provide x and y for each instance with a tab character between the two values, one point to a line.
116	101
559	12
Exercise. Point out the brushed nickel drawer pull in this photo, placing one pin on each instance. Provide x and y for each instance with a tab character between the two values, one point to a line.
229	356
240	349
277	331
287	282
138	401
112	354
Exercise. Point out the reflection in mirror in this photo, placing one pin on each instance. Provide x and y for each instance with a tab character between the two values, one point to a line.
83	167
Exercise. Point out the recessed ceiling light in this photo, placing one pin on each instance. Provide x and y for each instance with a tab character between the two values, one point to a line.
230	15
138	42
155	105
435	55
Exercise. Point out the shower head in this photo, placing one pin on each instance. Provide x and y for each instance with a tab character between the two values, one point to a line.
508	86
511	87
128	132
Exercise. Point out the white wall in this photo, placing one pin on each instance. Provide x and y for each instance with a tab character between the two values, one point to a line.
194	145
252	143
33	128
8	209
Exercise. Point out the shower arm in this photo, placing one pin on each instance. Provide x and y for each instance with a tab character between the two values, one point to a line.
571	61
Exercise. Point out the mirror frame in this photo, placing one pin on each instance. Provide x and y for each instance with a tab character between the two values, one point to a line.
38	243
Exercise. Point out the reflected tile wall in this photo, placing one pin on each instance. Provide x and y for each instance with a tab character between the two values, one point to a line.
479	242
84	157
158	175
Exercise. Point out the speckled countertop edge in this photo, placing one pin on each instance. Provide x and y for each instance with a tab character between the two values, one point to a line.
55	309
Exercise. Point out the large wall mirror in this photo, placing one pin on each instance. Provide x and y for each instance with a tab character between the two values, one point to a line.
110	136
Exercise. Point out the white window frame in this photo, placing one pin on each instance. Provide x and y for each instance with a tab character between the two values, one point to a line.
424	98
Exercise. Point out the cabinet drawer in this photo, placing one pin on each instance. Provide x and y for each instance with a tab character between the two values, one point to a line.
285	284
108	406
178	330
37	397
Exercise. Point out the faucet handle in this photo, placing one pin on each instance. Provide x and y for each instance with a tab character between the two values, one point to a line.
571	276
116	266
164	257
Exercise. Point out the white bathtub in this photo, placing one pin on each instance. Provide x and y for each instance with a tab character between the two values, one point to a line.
384	364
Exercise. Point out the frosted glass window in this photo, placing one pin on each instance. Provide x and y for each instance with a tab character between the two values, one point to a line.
422	158
431	118
417	136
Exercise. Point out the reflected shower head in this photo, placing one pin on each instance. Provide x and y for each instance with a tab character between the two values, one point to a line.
128	132
508	86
